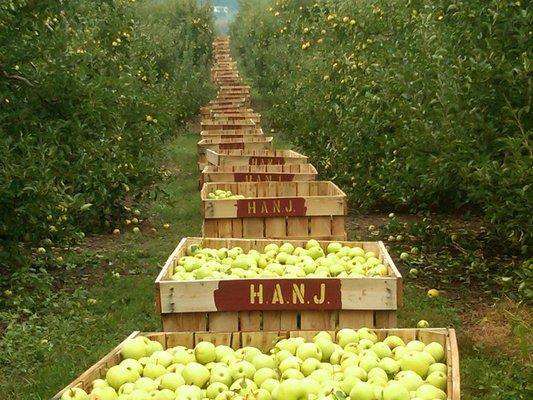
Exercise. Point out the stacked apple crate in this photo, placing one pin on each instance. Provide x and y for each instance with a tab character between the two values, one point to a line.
278	202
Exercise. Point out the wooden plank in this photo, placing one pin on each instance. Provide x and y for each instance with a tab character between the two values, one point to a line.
275	227
225	228
297	227
223	321
210	228
184	322
250	320
356	319
253	227
271	320
318	320
320	226
337	226
236	228
386	319
289	320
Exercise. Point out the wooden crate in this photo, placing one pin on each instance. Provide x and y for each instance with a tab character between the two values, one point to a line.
236	116
250	304
259	173
259	157
232	133
275	210
221	125
222	110
251	142
263	340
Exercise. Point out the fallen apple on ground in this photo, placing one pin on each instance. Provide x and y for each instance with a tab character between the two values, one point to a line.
312	260
354	365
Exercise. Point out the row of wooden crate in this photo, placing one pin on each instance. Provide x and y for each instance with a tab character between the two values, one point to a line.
284	203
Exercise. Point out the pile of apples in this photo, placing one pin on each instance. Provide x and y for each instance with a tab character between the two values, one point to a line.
354	365
223	194
279	261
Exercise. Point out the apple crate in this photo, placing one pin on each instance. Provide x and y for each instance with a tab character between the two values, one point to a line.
236	116
257	157
275	210
259	173
248	143
210	112
220	124
263	340
276	303
232	133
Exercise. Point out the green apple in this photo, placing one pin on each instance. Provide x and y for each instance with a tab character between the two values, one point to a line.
286	248
135	348
226	395
377	373
326	346
214	389
356	371
410	380
399	352
290	362
438	367
281	355
74	394
287	344
435	350
99	383
321	376
348	383
415	345
103	393
195	374
243	386
309	350
282	257
263	361
429	392
163	358
415	361
189	392
204	352
367	362
270	384
146	384
183	356
438	379
333	247
222	374
263	374
311	243
171	380
362	391
153	346
381	350
242	369
311	386
153	370
118	375
395	391
309	365
291	389
131	364
138	394
271	247
315	252
292	373
365	333
356	252
390	366
221	351
347	335
166	394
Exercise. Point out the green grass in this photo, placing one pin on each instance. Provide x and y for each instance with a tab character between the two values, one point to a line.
59	338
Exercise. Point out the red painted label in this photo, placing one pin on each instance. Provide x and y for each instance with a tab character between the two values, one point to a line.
229	146
264	160
278	294
279	207
262	177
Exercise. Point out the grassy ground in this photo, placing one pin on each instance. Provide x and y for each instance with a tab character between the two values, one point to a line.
74	320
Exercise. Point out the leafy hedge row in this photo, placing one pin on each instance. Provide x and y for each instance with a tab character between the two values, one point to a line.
88	92
419	105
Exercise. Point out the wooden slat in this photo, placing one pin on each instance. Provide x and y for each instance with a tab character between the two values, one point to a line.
250	320
223	321
318	320
356	319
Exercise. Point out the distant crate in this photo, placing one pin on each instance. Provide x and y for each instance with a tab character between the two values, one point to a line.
275	210
259	157
221	124
259	173
244	143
